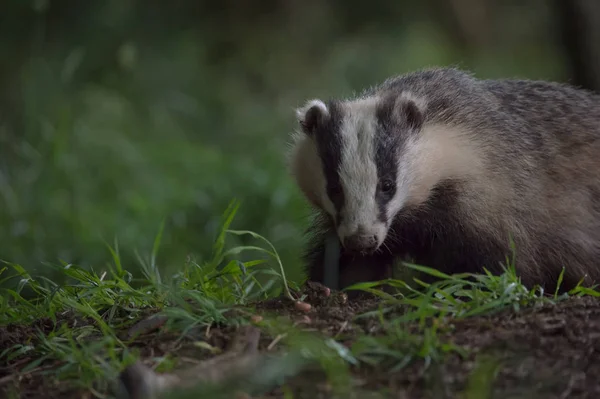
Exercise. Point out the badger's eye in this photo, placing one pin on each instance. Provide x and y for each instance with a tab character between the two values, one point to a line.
335	190
386	186
336	194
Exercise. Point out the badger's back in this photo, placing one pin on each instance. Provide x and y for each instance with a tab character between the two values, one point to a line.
565	228
528	158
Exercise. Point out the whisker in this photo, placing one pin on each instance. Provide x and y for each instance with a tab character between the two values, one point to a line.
388	248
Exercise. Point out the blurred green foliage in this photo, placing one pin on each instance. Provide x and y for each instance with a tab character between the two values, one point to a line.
116	115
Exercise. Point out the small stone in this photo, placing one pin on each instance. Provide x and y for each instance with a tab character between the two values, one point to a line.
303	306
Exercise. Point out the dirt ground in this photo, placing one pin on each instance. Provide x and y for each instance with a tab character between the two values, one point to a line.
548	352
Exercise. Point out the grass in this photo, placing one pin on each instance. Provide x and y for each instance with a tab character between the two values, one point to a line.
164	113
77	326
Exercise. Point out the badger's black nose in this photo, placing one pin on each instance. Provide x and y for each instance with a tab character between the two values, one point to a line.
360	243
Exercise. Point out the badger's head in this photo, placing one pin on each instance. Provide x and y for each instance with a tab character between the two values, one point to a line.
363	161
356	161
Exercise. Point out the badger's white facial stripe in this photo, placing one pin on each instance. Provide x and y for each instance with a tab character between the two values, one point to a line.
358	171
306	168
435	154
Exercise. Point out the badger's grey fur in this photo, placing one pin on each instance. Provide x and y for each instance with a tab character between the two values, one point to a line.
446	169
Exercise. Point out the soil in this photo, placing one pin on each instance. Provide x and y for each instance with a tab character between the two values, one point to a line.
551	351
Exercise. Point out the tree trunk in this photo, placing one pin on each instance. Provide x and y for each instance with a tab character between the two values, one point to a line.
579	24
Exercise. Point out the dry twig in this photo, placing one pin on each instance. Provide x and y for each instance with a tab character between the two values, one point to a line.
139	381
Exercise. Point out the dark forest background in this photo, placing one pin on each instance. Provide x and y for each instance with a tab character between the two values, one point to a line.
118	114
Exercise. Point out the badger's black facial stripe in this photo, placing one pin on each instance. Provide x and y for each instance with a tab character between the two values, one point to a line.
387	141
329	143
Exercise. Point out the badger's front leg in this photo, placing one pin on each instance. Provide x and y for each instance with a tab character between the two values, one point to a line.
360	269
328	265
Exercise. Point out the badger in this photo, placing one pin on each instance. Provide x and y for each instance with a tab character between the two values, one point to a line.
455	173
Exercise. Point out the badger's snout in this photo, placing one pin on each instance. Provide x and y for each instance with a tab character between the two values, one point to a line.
360	239
361	243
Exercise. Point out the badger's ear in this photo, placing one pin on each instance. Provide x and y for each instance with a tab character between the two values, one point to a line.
405	110
312	115
410	113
